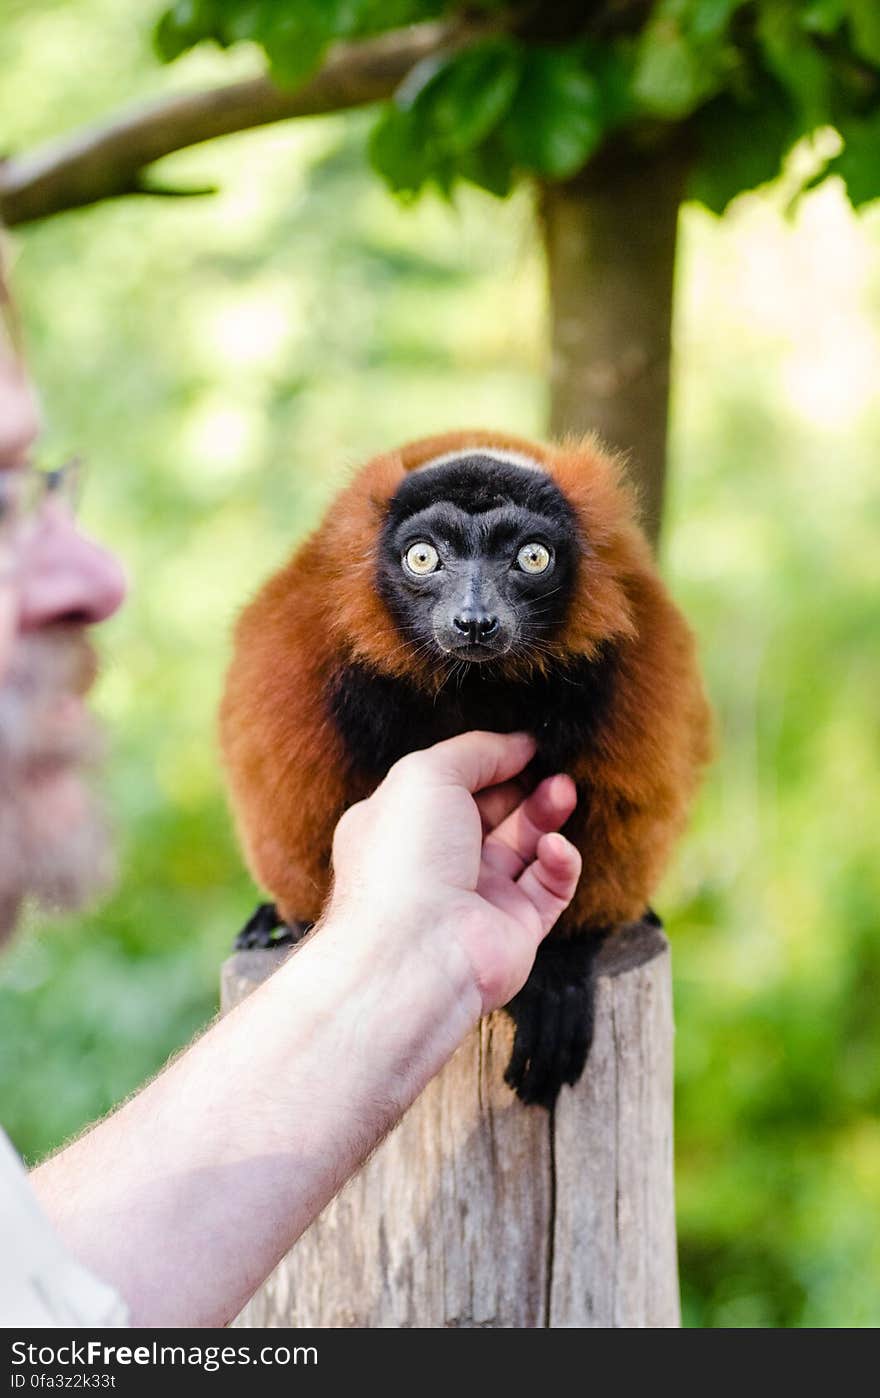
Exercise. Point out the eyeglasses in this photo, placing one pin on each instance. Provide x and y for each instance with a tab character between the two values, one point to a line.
25	491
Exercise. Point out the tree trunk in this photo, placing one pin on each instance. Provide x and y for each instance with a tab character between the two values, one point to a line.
610	243
478	1212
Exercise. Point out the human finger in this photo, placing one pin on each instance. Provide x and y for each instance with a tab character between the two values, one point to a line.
472	760
496	802
549	882
513	843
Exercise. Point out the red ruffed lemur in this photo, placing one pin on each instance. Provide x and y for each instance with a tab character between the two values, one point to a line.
472	581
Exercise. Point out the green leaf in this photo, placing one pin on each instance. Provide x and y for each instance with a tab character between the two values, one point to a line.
672	76
864	23
793	58
170	39
710	19
293	33
489	166
470	94
556	119
611	65
294	55
377	16
741	146
823	16
398	151
440	133
858	163
182	26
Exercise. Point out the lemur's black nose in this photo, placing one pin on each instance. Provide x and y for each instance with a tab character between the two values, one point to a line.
477	626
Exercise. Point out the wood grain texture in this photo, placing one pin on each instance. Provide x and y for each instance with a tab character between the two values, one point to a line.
479	1212
614	1252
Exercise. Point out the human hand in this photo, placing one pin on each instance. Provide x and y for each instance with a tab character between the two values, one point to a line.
471	882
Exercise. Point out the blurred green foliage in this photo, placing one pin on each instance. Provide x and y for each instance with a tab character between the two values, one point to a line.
539	88
222	363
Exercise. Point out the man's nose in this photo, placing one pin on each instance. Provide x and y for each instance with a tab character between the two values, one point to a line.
65	577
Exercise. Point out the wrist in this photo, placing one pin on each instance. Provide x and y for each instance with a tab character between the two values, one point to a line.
401	1002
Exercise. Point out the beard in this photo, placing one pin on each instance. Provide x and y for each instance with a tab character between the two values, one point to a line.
54	844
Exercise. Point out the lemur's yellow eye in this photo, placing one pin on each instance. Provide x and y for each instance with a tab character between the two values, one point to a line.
533	558
421	559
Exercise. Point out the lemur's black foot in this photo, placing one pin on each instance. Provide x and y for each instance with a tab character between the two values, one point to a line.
265	929
553	1015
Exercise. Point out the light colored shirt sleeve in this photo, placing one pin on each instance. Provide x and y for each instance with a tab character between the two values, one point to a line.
41	1284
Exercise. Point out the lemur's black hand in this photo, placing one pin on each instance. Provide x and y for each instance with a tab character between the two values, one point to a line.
265	929
553	1015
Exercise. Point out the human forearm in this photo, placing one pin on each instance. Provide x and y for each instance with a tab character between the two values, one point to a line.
189	1194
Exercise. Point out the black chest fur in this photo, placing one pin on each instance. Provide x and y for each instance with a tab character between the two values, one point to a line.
382	718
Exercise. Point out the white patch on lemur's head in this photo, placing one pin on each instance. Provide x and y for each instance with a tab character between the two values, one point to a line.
510	458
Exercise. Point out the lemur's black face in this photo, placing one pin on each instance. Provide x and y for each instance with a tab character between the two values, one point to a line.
477	557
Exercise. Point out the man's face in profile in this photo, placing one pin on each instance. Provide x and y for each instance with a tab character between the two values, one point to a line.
54	583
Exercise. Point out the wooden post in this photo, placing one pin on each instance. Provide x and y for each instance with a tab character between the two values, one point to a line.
479	1212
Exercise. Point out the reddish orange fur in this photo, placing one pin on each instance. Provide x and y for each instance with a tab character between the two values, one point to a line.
284	757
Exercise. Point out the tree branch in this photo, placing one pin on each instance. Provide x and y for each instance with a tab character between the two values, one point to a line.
104	162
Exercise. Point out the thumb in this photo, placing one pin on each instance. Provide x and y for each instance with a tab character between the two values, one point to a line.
477	760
